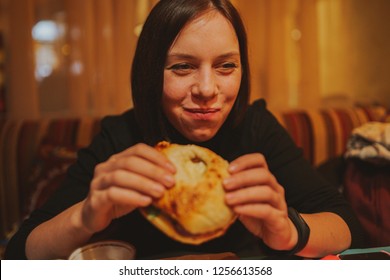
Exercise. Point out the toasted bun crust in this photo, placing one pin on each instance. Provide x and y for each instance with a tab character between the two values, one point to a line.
194	210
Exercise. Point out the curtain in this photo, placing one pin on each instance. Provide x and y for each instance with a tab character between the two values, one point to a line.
283	45
2	77
91	76
103	38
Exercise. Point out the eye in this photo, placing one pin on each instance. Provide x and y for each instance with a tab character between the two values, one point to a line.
227	67
181	68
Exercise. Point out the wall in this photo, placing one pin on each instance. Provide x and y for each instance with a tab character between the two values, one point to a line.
369	50
355	51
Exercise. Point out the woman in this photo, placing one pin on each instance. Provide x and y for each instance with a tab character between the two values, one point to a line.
190	84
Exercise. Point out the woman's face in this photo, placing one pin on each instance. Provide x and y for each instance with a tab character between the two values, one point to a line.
202	77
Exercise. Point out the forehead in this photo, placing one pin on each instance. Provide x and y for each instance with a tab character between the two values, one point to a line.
208	29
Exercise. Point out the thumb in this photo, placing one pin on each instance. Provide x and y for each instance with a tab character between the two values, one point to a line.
252	224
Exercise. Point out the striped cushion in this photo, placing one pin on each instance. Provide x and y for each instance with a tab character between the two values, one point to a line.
71	132
20	141
9	193
323	134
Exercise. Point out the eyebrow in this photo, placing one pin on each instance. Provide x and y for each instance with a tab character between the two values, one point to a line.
188	56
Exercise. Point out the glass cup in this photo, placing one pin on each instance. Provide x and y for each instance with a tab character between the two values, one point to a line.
104	250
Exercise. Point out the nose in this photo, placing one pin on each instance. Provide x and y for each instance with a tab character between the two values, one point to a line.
206	84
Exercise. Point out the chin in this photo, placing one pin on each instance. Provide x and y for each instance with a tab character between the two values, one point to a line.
200	136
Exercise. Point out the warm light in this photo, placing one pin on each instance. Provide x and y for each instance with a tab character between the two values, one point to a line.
45	31
65	49
138	29
48	35
46	61
296	34
76	68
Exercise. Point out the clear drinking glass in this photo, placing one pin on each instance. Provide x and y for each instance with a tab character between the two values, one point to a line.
104	250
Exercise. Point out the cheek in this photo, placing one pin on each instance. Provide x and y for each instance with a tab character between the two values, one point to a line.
174	90
172	97
231	88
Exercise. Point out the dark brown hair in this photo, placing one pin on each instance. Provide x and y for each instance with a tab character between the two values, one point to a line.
161	28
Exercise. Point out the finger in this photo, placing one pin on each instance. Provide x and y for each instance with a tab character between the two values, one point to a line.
273	219
250	177
151	154
253	195
138	151
132	162
129	181
247	161
120	196
147	169
258	210
254	225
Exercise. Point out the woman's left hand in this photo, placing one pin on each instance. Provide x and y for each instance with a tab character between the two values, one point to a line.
256	196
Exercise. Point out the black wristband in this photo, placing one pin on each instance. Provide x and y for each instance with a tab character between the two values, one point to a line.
302	229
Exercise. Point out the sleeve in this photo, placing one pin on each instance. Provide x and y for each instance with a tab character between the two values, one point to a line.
113	137
305	189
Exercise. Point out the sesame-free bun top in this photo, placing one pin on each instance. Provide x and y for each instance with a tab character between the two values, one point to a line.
193	211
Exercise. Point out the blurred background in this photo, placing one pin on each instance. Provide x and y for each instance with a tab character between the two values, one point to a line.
62	58
322	66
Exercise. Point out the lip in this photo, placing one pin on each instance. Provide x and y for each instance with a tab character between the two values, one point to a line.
202	113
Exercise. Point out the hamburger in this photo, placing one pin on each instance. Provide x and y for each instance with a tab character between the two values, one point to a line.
193	211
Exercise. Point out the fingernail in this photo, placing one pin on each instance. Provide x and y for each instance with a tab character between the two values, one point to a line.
228	197
158	189
145	200
169	180
232	168
226	181
170	167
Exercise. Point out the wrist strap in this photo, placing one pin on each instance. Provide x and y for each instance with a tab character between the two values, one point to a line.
302	229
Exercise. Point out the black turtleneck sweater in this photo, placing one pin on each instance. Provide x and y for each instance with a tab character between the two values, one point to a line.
259	132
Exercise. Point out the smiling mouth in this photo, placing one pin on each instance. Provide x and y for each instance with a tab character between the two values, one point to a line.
202	111
203	114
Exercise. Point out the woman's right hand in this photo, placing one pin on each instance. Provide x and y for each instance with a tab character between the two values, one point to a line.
126	181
